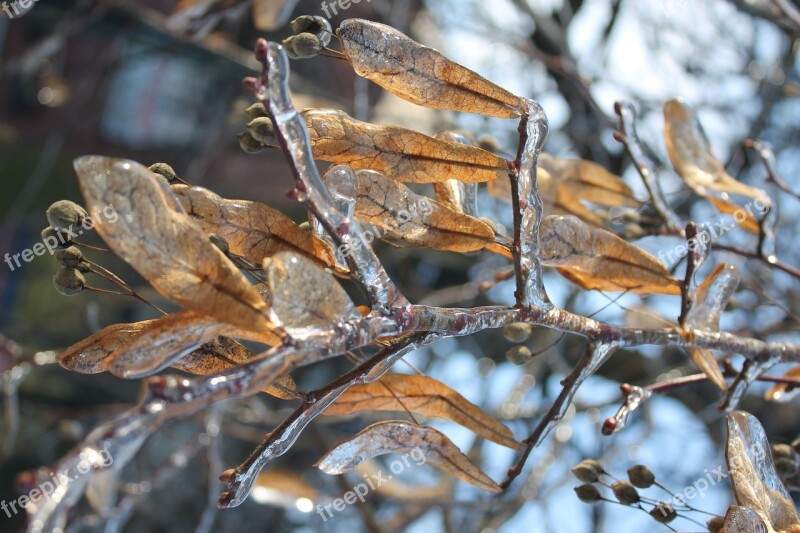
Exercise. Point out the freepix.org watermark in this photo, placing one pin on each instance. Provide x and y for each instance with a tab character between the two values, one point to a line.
708	232
17	7
333	6
89	459
702	484
372	482
51	243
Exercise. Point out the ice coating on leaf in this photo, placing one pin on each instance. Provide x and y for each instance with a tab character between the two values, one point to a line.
399	153
251	229
743	520
166	246
303	298
755	482
432	446
420	74
711	298
597	259
403	214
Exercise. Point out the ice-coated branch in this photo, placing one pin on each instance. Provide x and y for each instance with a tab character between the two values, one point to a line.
596	355
528	207
630	140
240	480
272	87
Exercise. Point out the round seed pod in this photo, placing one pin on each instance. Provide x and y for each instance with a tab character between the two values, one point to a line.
588	493
489	143
303	46
519	355
715	524
625	492
163	169
50	233
219	242
517	332
782	451
263	131
69	257
588	470
663	513
248	144
319	26
256	110
69	281
64	214
641	476
785	467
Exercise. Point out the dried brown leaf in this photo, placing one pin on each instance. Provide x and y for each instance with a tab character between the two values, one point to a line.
783	392
167	247
588	181
420	74
404	437
396	152
690	153
597	259
222	354
251	229
425	396
86	356
166	340
416	219
749	222
556	199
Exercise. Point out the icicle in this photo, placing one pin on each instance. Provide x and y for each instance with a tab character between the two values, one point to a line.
711	298
463	197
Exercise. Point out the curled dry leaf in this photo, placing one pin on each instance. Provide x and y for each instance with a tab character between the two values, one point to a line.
396	152
420	74
167	339
251	229
91	355
416	219
756	485
304	299
425	396
743	520
434	448
86	356
783	392
166	246
597	259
